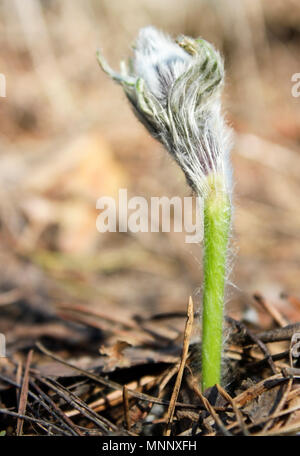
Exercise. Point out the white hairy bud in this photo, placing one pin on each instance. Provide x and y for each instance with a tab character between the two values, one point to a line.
175	89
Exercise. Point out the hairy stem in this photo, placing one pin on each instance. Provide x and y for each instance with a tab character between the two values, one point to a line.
217	217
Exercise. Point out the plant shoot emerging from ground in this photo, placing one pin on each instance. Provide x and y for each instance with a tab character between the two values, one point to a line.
175	90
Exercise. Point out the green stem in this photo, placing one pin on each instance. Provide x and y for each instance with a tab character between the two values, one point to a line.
217	216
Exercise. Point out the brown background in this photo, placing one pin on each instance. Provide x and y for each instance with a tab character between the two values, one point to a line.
68	136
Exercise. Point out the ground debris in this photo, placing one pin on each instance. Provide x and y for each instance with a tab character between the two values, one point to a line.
130	389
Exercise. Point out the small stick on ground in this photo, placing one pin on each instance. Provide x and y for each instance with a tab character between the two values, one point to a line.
52	427
209	408
24	394
279	334
60	413
18	380
236	410
103	423
185	350
256	339
109	383
165	380
254	391
275	314
126	409
281	404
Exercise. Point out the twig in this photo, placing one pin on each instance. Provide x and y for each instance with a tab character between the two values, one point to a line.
126	409
280	406
256	338
114	398
273	417
255	390
24	393
279	334
185	350
110	384
266	418
165	380
67	422
29	418
77	403
18	379
235	408
287	391
210	409
275	314
291	371
35	397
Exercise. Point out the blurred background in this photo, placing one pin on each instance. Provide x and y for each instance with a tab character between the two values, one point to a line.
68	137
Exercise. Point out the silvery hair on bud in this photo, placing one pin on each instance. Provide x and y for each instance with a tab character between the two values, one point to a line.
175	90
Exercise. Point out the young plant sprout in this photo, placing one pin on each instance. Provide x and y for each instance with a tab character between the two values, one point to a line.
174	88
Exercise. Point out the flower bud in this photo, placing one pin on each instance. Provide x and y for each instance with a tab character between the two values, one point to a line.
174	88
